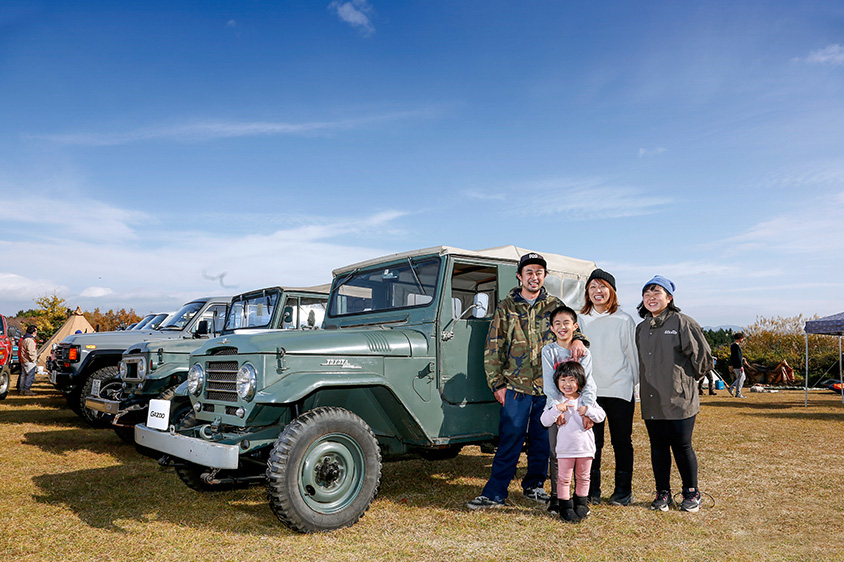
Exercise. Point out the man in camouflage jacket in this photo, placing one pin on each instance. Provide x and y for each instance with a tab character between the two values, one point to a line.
513	365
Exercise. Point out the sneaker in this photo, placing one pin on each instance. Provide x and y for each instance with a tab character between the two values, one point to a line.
663	501
691	501
483	502
537	494
739	395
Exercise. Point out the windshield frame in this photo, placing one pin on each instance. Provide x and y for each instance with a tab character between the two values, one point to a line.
253	298
188	311
399	280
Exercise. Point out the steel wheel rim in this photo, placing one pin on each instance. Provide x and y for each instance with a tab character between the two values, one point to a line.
332	473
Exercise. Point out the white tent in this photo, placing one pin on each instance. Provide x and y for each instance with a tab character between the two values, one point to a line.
828	326
75	322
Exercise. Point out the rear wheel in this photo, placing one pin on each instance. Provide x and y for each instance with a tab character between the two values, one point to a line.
110	386
324	471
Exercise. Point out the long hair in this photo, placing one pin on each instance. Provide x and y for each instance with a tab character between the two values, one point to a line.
644	312
612	302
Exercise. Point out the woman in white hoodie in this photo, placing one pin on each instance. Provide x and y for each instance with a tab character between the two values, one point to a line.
615	370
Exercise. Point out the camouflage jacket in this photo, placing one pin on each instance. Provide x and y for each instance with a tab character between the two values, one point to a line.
513	353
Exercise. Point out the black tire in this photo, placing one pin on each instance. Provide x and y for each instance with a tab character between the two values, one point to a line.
110	387
5	381
180	406
324	471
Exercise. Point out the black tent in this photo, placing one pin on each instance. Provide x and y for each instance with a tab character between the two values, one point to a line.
827	326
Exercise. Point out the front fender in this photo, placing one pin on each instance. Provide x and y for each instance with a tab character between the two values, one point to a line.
294	387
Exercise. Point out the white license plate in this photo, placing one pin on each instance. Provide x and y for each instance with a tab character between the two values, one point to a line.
95	387
158	416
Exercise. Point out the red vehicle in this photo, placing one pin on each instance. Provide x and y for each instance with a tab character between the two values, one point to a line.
5	357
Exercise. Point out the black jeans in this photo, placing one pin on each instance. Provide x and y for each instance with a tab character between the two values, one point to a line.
620	421
675	436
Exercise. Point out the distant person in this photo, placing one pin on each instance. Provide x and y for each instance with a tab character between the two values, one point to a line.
710	379
737	365
673	356
615	369
574	445
563	326
513	366
28	356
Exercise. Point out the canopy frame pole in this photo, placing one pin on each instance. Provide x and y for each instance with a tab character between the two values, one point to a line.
806	379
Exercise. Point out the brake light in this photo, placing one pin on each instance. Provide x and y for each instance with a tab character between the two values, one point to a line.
73	354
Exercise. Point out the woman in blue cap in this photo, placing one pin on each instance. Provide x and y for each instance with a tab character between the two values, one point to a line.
673	356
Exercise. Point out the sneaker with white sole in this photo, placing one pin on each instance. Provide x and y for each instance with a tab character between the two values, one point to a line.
663	501
483	502
691	501
537	494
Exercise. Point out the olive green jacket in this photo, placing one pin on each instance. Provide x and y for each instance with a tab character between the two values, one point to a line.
513	353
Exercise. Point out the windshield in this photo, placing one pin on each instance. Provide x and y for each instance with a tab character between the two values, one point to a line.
143	322
404	285
156	321
252	311
181	318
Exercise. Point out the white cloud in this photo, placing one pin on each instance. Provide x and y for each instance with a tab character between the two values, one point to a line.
231	23
210	130
356	13
585	199
831	54
652	151
96	292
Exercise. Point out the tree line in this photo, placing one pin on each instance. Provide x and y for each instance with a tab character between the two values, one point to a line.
52	312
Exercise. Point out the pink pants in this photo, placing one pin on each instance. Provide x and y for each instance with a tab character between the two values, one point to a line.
580	468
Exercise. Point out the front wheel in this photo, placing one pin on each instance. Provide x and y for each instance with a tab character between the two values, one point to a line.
324	471
5	380
110	386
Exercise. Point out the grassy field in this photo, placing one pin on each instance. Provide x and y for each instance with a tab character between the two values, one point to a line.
772	468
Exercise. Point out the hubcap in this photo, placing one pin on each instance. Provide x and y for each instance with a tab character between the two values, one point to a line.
332	473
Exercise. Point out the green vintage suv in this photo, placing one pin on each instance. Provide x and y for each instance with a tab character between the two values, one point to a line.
397	369
155	369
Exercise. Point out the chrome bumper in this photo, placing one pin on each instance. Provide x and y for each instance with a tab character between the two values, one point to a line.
203	453
102	405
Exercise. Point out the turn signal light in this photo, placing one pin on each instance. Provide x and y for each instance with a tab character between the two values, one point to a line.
73	354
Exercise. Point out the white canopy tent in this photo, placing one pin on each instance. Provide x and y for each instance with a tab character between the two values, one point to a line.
827	326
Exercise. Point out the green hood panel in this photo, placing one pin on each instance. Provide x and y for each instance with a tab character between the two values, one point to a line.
354	342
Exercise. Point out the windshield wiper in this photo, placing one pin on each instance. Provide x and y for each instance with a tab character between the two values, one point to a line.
345	280
416	277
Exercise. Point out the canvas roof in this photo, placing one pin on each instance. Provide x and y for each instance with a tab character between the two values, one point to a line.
74	322
573	267
828	325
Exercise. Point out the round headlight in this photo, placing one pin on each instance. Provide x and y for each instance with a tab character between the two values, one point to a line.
196	376
142	368
246	381
121	370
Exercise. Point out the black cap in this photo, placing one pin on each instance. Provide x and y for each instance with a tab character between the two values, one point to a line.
532	257
601	274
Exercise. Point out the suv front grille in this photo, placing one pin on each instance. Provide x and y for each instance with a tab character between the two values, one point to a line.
221	377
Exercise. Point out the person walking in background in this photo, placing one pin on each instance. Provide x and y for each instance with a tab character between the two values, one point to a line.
711	382
737	365
29	356
615	369
574	445
673	356
513	366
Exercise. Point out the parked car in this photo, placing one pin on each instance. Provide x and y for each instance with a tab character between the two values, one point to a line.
397	369
7	352
87	364
155	369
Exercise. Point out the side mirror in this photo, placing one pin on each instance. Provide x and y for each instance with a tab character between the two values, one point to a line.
481	305
202	328
287	315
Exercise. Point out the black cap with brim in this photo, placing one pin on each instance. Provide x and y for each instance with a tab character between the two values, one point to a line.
530	258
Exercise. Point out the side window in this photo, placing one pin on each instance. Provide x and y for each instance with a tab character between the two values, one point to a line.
216	317
473	284
304	313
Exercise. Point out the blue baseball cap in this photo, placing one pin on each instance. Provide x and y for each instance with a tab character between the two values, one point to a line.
663	282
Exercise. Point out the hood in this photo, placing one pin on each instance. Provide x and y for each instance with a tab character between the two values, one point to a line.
395	343
119	340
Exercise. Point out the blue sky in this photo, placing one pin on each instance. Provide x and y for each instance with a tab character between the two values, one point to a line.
146	148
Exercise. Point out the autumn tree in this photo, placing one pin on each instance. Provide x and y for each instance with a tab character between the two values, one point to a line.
52	313
111	320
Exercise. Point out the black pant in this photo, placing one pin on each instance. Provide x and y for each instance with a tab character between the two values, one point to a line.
620	420
675	436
